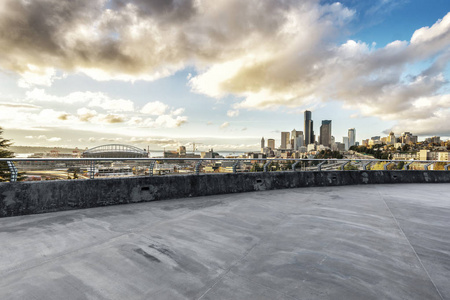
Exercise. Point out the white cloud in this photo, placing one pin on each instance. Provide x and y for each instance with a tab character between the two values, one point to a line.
233	113
177	112
85	114
155	108
439	31
45	138
224	125
54	139
34	75
268	53
167	121
85	109
116	105
437	124
373	81
92	99
171	119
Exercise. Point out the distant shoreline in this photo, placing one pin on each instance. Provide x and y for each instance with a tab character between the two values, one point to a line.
38	149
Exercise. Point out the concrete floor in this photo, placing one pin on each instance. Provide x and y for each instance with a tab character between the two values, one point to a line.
346	242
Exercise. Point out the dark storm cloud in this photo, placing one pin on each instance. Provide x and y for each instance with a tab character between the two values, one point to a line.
163	10
33	30
133	37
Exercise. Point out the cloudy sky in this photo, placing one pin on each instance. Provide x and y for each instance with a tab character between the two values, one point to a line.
220	73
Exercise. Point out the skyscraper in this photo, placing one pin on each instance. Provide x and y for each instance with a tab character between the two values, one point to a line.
285	140
391	138
271	144
325	133
345	141
309	130
299	141
351	137
262	143
296	139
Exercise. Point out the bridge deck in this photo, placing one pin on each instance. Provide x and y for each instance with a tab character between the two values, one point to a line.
347	242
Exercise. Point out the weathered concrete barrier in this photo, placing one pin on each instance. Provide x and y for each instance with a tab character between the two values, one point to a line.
23	198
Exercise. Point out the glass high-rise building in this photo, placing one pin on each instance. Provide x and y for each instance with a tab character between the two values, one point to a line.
345	141
351	137
325	133
285	140
296	139
309	131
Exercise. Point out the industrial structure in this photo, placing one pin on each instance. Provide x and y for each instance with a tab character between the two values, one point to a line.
115	151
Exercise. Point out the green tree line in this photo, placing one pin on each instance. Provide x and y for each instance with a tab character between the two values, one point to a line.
4	153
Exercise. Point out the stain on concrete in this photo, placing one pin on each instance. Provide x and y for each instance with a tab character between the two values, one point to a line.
192	205
146	255
161	250
365	177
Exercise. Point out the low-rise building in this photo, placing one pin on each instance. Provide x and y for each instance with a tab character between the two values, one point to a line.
433	155
311	147
405	156
443	156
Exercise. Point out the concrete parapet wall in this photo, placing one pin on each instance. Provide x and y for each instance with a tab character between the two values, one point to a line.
22	198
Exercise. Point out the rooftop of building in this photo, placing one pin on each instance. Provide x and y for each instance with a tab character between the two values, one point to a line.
345	242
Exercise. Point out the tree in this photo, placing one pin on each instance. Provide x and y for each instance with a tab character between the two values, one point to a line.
256	168
4	145
326	154
350	167
4	153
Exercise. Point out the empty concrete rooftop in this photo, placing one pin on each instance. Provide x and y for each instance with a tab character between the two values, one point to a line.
343	242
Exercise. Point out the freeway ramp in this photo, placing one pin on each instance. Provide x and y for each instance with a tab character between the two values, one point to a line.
342	242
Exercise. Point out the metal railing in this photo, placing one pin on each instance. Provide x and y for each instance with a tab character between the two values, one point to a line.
13	169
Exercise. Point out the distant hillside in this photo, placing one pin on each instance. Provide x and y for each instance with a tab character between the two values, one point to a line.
31	149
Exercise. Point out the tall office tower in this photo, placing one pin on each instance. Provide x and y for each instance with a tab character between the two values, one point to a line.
300	140
391	138
295	141
309	130
351	137
285	140
293	136
271	144
325	133
262	143
345	141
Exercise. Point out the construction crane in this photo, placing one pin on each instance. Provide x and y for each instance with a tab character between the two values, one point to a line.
194	148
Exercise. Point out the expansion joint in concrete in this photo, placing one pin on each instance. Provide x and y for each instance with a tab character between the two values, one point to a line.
409	243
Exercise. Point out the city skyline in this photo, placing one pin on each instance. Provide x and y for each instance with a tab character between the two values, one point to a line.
170	73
